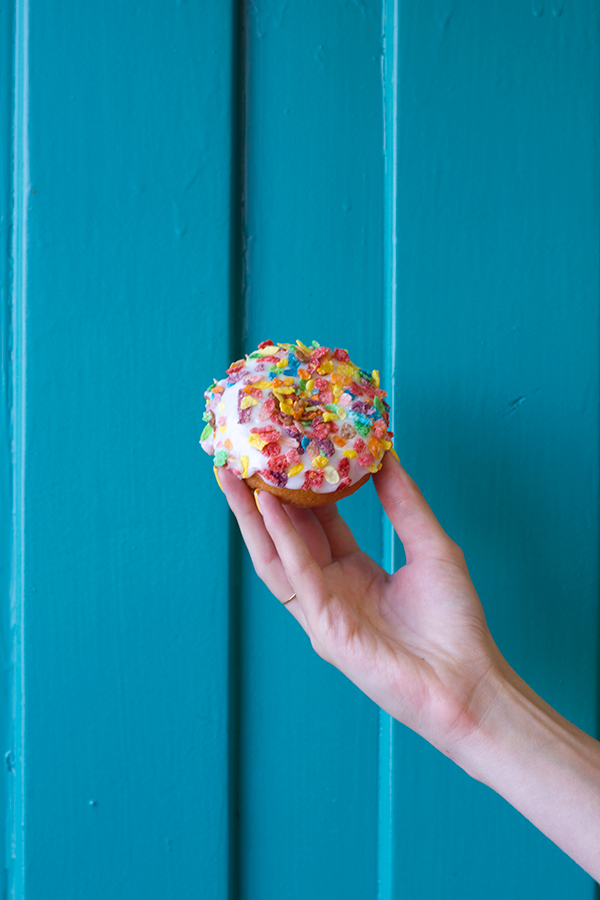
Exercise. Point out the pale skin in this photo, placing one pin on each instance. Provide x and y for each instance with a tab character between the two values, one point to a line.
417	643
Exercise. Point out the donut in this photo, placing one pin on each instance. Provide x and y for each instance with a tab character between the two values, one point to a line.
302	422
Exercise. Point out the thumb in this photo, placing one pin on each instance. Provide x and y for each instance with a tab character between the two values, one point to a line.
414	522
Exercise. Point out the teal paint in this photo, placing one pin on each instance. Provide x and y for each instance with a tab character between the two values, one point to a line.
497	389
313	237
193	168
125	618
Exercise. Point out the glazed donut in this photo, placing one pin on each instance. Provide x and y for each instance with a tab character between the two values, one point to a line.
301	422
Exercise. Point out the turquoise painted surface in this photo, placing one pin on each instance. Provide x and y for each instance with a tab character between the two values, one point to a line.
497	387
123	758
314	241
182	171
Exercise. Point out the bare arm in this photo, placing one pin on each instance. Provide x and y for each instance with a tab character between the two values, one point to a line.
417	643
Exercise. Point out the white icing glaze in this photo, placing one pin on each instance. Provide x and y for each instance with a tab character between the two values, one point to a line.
232	440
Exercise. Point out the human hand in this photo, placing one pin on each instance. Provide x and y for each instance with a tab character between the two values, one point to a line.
416	642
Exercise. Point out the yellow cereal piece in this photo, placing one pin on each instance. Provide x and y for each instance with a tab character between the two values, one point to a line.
329	416
261	385
341	412
255	440
286	408
282	363
319	462
268	351
374	469
221	407
347	370
331	476
326	368
387	445
244	461
228	444
295	470
310	384
223	428
350	453
304	348
284	389
216	471
336	390
375	377
246	402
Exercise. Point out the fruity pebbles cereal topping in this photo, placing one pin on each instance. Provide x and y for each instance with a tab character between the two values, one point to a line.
301	417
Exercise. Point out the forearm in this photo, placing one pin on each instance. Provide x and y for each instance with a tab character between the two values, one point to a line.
539	762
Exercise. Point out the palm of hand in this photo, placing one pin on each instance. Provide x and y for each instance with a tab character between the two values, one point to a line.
406	640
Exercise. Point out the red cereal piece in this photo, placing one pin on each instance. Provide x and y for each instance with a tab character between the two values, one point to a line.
278	463
322	431
359	445
354	389
264	344
326	396
293	457
319	353
321	384
341	355
344	467
271	450
365	460
312	479
344	482
368	388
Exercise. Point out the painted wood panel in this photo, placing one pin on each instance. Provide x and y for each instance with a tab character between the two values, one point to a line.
313	232
124	131
495	212
415	182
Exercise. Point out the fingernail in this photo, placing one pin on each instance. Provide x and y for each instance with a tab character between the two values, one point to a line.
216	471
256	493
394	454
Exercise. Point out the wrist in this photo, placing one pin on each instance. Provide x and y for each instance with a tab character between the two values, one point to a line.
542	764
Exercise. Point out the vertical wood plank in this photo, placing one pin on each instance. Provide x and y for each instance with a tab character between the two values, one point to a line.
497	388
125	590
6	217
313	271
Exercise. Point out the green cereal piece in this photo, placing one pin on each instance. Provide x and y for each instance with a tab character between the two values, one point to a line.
206	416
208	430
220	457
362	428
302	384
315	345
378	405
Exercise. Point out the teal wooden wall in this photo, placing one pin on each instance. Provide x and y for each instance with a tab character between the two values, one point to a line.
417	181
